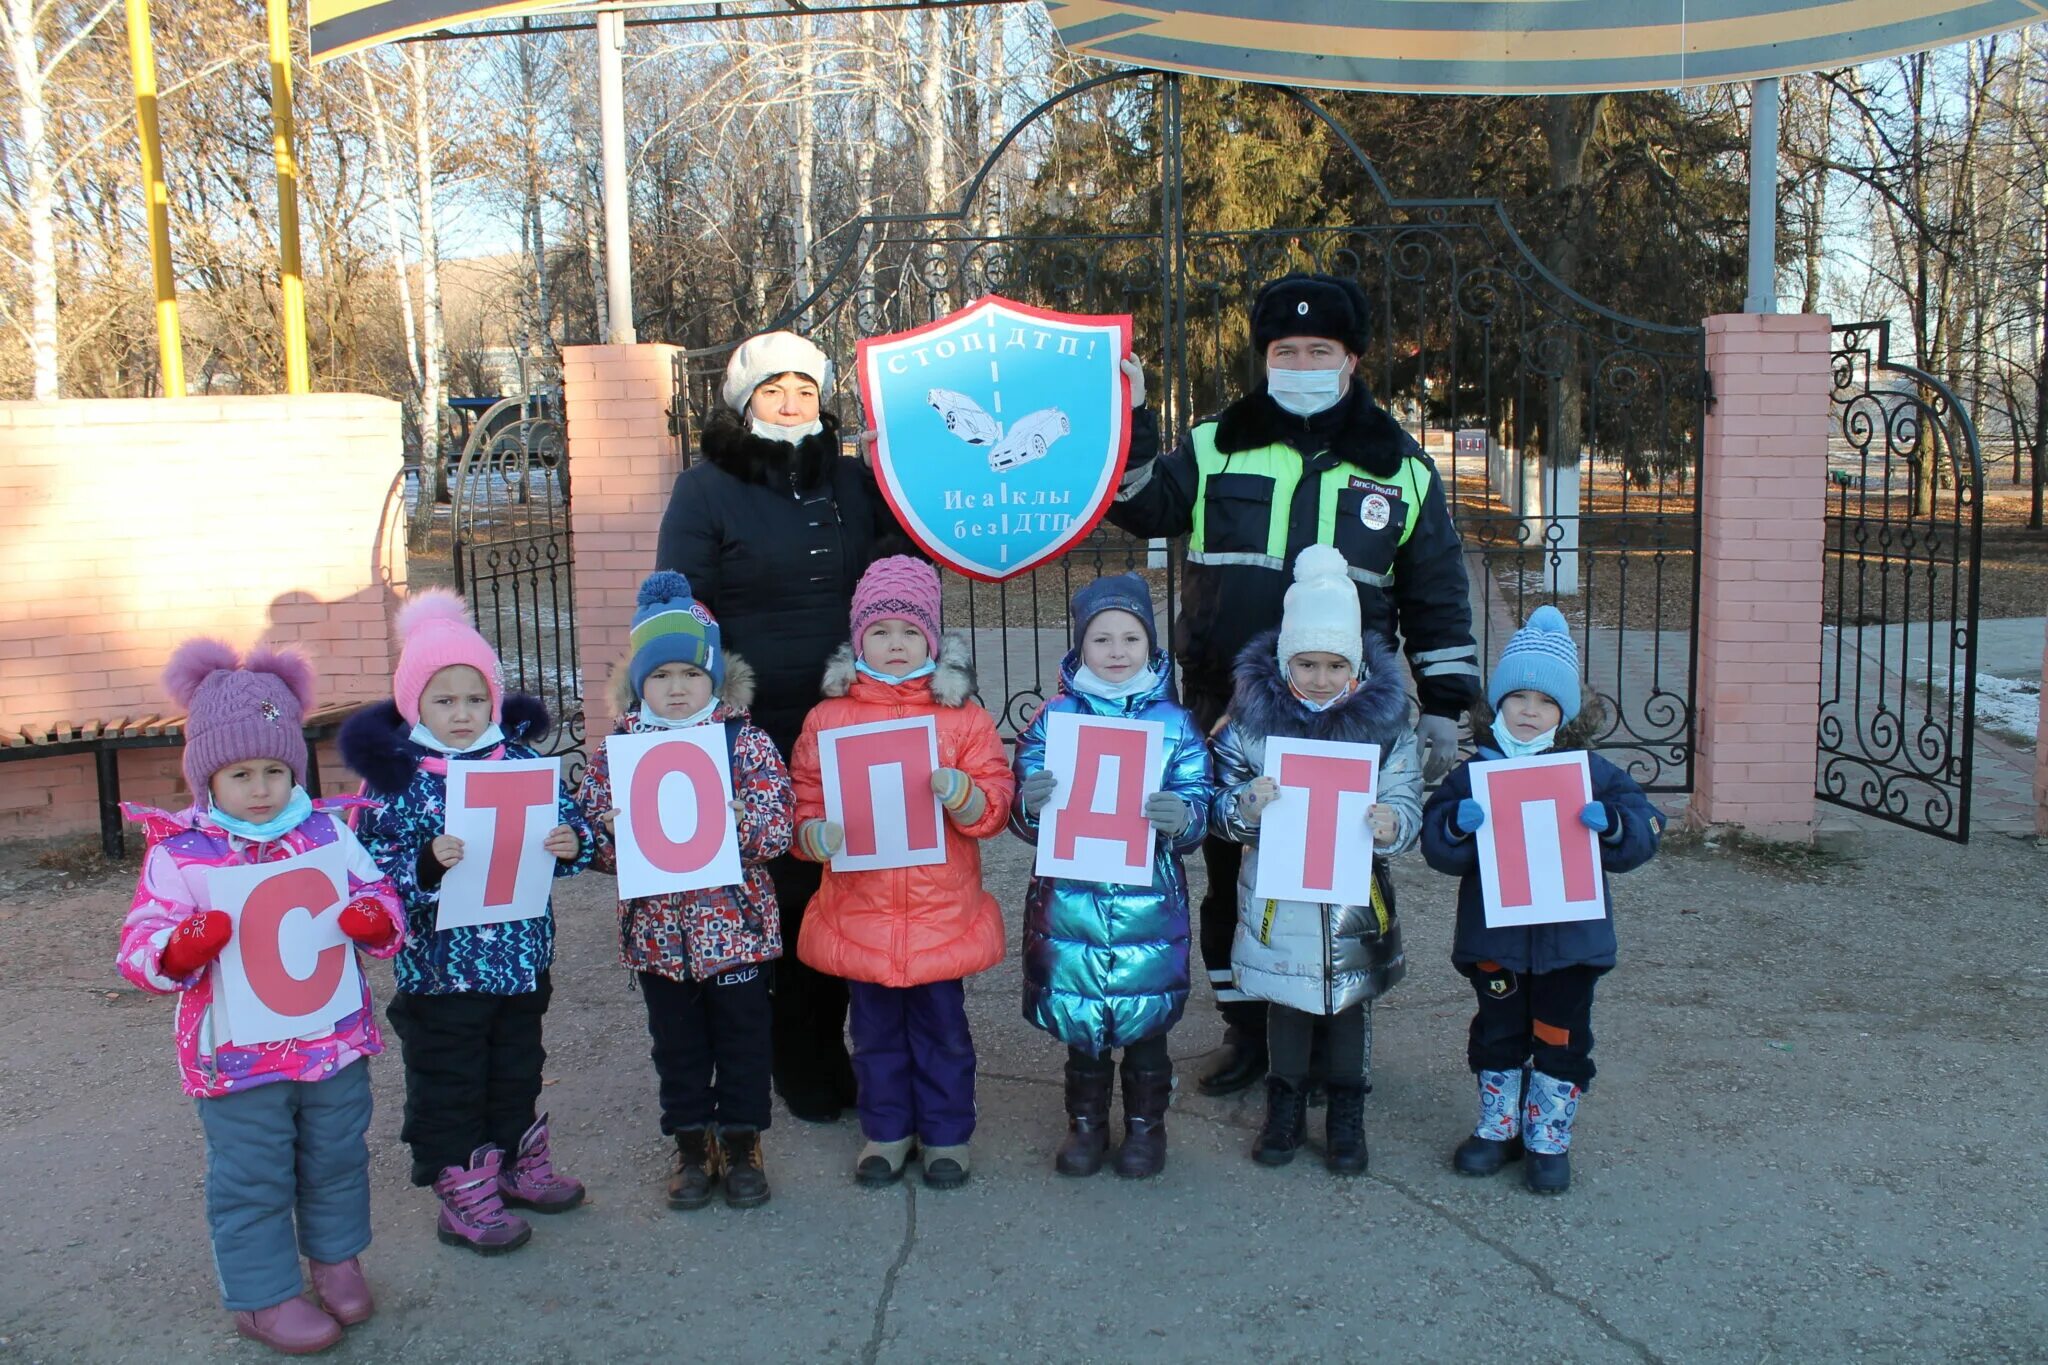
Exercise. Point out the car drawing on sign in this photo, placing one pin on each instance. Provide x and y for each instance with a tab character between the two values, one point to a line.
964	417
1029	439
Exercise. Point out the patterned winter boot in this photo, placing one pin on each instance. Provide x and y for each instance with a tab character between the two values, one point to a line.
473	1211
1498	1138
1547	1133
691	1178
1286	1123
1088	1087
531	1180
1147	1092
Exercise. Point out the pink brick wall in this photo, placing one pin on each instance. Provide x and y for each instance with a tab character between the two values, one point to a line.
1763	491
127	525
624	463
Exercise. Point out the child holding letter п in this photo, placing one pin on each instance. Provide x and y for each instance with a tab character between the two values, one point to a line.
1319	677
470	998
1106	966
1531	1041
287	1168
700	955
905	937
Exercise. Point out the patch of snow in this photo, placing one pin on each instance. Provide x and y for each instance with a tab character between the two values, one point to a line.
2012	705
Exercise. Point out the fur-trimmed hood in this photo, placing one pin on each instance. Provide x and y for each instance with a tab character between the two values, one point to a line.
952	684
732	447
737	692
1359	430
1263	704
376	741
1577	733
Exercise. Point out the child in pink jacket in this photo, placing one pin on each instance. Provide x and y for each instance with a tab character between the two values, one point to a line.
287	1167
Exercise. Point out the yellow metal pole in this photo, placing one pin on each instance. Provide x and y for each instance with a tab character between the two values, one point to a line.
170	348
297	375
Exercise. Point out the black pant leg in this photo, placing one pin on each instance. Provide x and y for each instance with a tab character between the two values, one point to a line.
738	1014
1348	1036
1216	916
1149	1054
1289	1035
809	1027
1499	1038
516	1059
681	1037
444	1043
1561	1023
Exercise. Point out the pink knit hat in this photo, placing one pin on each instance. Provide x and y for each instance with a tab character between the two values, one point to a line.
898	588
238	709
435	630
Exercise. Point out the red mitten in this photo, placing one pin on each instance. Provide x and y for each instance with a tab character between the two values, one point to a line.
195	943
365	922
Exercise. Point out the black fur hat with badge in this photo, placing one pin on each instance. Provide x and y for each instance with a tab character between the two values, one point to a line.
1301	305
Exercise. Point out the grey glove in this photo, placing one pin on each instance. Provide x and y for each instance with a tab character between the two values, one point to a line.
1438	738
1168	814
1036	790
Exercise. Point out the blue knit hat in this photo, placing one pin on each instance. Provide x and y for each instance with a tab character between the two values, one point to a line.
1540	658
672	627
1118	592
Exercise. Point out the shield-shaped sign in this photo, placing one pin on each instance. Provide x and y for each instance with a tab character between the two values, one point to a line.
1001	430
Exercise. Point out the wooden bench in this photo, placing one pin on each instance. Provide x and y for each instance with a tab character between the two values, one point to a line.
105	739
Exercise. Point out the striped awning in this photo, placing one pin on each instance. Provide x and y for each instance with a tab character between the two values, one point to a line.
1520	47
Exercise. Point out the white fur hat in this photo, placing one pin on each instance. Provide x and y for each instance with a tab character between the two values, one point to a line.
761	358
1321	614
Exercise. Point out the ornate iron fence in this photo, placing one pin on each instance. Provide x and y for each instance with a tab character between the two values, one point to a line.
1905	534
1568	435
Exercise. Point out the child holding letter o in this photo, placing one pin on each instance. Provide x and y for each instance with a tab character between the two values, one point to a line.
470	998
1106	966
700	956
287	1167
1318	677
904	937
1531	1041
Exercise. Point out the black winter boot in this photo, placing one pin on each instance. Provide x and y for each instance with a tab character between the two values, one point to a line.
1146	1094
1242	1062
1286	1123
1344	1135
691	1178
746	1175
1088	1087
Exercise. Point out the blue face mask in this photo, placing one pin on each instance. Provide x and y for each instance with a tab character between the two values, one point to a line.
1094	684
284	822
1510	747
923	670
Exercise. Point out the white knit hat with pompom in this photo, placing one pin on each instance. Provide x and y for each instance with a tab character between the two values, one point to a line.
1321	614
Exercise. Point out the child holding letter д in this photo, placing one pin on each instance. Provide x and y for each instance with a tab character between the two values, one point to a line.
1106	966
287	1168
1531	1042
904	937
470	998
701	955
1317	678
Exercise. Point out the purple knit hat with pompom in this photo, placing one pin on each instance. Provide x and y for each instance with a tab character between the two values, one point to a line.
238	709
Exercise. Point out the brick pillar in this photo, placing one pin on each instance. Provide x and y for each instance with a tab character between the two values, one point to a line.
2041	753
1763	502
622	463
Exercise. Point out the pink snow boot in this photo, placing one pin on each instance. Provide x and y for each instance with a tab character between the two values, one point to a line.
472	1211
344	1293
295	1327
531	1180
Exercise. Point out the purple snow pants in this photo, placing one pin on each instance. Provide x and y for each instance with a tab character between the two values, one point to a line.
914	1059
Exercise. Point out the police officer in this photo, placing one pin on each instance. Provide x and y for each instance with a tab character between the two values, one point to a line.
1308	458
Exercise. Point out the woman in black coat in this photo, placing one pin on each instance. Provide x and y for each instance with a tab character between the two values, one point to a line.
774	527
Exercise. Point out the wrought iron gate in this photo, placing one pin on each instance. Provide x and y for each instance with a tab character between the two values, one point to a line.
1905	533
514	560
1568	435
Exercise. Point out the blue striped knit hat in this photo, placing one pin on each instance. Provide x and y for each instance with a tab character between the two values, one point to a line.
672	627
1540	658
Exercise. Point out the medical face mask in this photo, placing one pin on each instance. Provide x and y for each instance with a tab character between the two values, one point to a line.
1305	392
923	670
294	814
647	714
424	737
1094	684
1314	705
1510	747
788	435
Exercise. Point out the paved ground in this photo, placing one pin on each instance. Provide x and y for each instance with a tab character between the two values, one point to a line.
1815	1136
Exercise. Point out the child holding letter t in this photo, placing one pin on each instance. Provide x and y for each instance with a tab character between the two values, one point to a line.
470	998
905	937
700	955
1318	677
287	1167
1534	982
1106	967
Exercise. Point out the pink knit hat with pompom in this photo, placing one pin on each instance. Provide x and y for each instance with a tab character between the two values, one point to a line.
435	630
239	709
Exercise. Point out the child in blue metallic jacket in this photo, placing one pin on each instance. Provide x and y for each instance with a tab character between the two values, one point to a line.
1531	1041
1106	967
